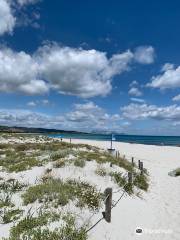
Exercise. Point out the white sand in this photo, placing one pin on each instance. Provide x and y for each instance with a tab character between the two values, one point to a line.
158	214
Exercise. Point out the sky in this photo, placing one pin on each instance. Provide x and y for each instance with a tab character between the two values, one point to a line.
93	66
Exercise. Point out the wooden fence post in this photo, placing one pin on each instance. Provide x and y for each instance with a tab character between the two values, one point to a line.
70	140
108	204
139	164
130	177
132	161
142	168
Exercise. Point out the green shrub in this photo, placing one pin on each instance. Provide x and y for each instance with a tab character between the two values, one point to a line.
8	216
101	171
79	162
141	181
177	172
33	228
59	163
57	192
122	182
12	185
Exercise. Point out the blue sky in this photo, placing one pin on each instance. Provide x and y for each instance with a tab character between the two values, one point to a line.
106	66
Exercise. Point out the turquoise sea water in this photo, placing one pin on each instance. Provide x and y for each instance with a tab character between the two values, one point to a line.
152	140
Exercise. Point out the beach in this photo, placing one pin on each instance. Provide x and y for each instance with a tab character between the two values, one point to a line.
155	212
158	213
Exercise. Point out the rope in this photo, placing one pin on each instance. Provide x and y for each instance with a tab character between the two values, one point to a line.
94	225
114	205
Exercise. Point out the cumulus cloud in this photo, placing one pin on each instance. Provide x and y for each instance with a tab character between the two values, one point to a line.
176	98
143	111
144	54
23	118
71	71
19	73
133	83
134	91
89	116
86	117
84	73
170	78
8	10
7	20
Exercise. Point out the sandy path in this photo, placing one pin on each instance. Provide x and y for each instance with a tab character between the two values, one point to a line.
158	214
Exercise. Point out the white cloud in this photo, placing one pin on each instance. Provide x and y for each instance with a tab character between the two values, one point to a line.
7	20
43	102
27	2
8	10
144	111
139	100
31	104
134	91
167	66
144	54
133	83
84	73
24	118
176	98
170	78
19	73
83	117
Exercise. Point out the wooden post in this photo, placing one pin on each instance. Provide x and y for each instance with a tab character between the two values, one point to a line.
118	154
70	140
139	164
111	164
130	177
142	168
108	204
132	161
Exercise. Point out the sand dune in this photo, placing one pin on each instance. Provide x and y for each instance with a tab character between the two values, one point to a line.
158	214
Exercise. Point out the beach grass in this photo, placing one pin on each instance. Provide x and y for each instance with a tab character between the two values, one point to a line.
57	192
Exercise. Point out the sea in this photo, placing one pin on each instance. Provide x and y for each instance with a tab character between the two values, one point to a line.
150	140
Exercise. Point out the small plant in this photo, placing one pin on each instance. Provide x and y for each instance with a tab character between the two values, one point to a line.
12	185
33	228
8	216
57	192
79	162
27	224
141	181
101	171
177	172
122	182
5	200
23	165
59	163
59	155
